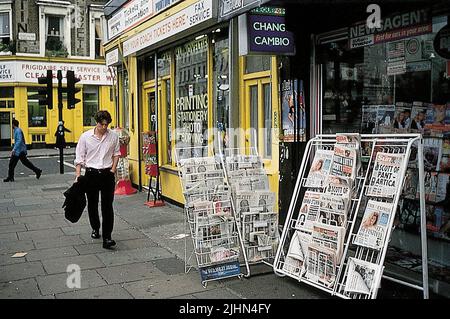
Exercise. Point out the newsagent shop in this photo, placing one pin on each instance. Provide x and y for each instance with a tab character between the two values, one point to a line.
393	80
339	77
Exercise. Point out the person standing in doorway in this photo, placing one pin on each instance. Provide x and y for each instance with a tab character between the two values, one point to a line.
98	151
19	152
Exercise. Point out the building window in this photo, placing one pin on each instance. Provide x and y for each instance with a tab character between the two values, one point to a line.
6	98
4	31
257	63
54	40
125	99
99	51
191	95
37	114
90	105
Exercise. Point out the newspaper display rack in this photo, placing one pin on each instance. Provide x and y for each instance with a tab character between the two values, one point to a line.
342	213
254	203
209	215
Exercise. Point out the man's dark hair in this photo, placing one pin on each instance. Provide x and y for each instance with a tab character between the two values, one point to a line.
103	115
15	122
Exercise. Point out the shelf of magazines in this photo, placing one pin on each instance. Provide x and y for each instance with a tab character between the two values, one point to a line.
254	203
338	237
209	215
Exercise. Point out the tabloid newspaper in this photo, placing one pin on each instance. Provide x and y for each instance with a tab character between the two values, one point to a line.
385	179
309	211
321	265
344	162
351	140
221	254
298	248
320	168
329	237
339	186
333	210
373	228
362	276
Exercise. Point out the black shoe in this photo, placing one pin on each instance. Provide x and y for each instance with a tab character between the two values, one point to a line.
108	243
9	179
38	173
95	234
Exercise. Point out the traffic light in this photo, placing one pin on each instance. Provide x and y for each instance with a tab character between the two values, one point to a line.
45	94
72	90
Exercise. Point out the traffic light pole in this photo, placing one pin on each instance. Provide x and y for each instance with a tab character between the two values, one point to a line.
60	118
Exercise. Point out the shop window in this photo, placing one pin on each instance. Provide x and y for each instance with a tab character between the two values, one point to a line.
257	63
191	95
125	100
90	105
267	121
6	97
169	123
37	114
5	31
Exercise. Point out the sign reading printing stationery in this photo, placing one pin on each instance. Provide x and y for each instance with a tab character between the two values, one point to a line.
132	13
195	14
392	28
267	34
30	71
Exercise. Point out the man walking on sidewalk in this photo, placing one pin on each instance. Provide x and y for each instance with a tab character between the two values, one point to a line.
19	152
98	151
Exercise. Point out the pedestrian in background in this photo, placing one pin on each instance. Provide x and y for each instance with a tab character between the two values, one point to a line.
19	152
98	151
60	135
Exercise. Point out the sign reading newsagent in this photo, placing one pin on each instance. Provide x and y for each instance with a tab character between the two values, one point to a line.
193	15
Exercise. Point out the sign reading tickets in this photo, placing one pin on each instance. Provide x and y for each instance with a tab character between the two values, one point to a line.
195	14
267	34
30	71
392	28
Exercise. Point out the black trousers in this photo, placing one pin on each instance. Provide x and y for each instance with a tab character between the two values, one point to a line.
25	161
103	182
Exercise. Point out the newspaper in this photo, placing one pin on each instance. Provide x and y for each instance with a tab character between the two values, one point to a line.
351	140
339	186
309	211
385	179
221	254
293	266
321	265
333	210
362	276
330	237
374	225
320	168
344	162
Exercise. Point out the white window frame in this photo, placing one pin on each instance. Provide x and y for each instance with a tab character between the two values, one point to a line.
55	8
95	12
6	7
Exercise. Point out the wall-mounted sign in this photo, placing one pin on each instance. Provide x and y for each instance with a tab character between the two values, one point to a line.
442	42
112	57
266	33
132	13
232	8
197	13
392	28
27	36
30	71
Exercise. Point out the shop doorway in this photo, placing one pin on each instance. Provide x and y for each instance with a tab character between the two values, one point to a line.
5	129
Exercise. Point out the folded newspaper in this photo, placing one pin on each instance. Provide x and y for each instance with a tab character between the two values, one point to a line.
362	276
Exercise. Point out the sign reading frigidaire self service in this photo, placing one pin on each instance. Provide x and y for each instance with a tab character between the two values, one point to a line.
266	33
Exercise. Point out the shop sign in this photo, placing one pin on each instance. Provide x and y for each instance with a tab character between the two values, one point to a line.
162	4
112	57
195	14
268	34
131	14
392	28
27	36
418	66
232	8
442	42
30	71
396	59
220	271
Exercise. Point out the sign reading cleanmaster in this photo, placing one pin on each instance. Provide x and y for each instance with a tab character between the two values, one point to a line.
195	14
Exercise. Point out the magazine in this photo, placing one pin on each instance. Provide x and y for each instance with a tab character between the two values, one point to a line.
402	119
411	183
362	276
369	119
442	186
320	168
344	162
309	211
432	153
385	178
430	185
435	117
374	225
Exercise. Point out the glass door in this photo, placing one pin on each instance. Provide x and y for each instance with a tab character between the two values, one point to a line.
5	129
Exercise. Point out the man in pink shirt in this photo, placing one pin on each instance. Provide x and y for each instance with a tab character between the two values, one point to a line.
98	151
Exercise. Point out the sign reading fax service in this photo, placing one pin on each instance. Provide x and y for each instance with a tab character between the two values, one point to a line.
197	13
30	71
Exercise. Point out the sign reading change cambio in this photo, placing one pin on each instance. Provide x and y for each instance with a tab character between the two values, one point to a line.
194	14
